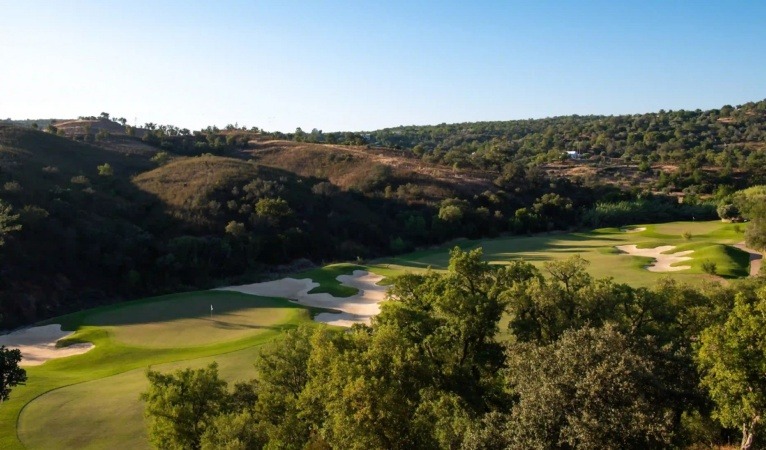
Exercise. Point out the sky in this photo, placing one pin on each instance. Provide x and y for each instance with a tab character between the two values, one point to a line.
364	65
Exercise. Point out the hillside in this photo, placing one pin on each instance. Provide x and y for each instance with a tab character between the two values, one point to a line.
99	225
366	169
82	227
109	212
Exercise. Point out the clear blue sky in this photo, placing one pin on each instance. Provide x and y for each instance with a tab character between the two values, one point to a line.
354	65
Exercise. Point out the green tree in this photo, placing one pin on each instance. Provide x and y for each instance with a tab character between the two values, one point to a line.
105	170
236	229
180	406
752	204
588	390
755	234
273	210
234	431
7	221
11	375
543	308
732	357
450	213
727	211
161	158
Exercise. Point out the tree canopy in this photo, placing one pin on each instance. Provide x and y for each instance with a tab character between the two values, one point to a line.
11	374
589	364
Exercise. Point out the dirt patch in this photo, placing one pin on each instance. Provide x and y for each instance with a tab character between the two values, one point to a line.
662	261
38	344
358	308
633	229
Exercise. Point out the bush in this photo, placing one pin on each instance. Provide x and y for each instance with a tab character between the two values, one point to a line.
687	235
80	179
709	267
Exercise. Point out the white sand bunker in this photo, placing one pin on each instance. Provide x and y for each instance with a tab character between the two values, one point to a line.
663	262
633	229
358	308
38	344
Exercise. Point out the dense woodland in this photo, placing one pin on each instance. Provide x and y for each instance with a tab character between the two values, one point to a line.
585	364
95	210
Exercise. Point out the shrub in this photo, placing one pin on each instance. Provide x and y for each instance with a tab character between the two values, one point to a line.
105	170
12	186
80	179
686	235
709	267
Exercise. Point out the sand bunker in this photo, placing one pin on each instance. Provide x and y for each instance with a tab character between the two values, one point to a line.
662	261
38	344
633	230
358	308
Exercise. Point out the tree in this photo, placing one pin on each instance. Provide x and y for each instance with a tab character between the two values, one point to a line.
11	375
161	158
7	221
234	431
543	308
727	211
588	390
755	235
752	204
105	170
732	357
450	213
273	210
180	406
236	229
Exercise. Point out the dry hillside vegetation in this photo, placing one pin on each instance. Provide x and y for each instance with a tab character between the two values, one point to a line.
355	167
187	185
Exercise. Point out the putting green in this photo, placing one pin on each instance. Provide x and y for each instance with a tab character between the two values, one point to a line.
79	401
186	320
107	413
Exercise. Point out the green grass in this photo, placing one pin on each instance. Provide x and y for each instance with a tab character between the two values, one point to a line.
327	278
111	357
107	413
710	240
185	321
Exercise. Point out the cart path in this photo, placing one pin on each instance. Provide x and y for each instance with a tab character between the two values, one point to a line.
756	258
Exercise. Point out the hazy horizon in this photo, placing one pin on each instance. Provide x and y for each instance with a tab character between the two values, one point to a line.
345	66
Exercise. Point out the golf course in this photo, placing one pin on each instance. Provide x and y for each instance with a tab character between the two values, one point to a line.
92	400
